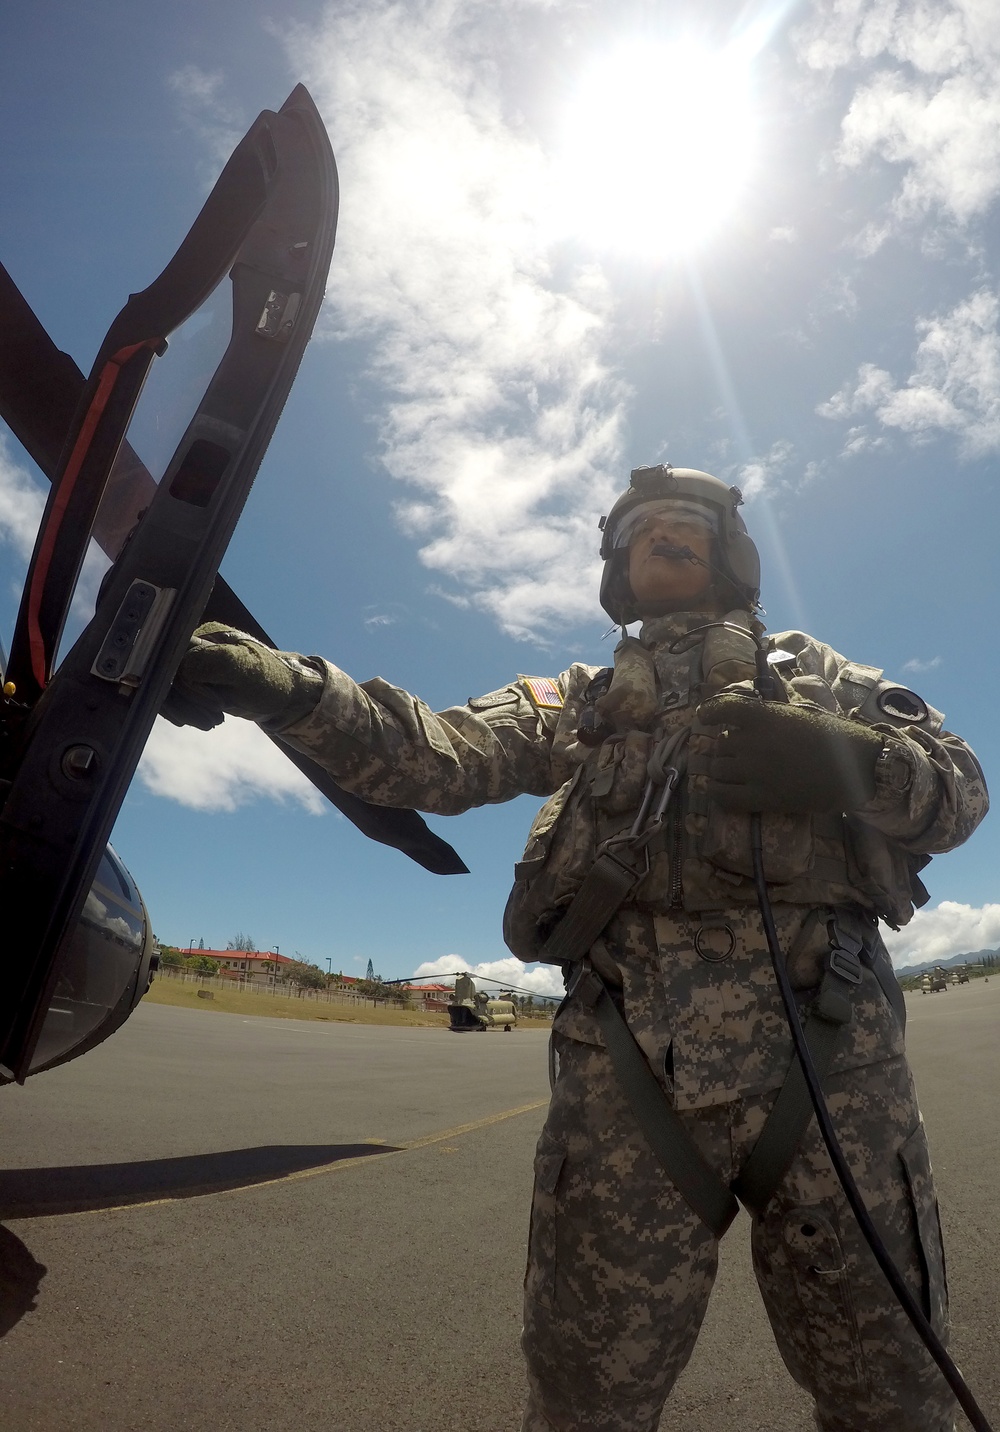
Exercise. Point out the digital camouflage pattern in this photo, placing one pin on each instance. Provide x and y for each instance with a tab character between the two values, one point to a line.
388	746
619	1267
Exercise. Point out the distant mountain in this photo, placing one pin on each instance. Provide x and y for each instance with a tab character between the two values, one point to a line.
974	958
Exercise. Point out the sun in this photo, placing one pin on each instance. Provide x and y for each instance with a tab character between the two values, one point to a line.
658	145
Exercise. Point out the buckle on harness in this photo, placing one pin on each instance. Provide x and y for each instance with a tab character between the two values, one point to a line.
586	983
846	964
845	951
843	967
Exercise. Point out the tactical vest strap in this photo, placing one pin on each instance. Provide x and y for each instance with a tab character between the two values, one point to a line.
606	886
699	1186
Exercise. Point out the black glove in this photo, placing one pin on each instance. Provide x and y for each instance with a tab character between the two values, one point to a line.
225	670
776	757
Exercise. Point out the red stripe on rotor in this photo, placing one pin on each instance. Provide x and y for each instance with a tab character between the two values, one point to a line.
110	374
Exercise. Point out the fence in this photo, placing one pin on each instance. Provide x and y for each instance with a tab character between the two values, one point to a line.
282	988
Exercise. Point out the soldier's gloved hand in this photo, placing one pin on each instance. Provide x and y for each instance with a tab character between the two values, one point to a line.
775	757
225	670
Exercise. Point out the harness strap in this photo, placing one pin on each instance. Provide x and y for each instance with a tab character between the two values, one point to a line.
875	957
672	1145
792	1110
604	889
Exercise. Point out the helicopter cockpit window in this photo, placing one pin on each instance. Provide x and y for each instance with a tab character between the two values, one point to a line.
177	381
172	391
113	876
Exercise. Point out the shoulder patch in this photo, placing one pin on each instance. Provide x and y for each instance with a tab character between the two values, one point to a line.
902	704
504	697
544	692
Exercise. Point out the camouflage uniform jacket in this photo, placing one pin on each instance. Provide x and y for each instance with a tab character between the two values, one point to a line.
387	746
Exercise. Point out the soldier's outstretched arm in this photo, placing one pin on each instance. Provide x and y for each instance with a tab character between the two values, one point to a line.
377	740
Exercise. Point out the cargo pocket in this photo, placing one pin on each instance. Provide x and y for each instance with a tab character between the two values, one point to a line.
540	1274
802	1273
934	1278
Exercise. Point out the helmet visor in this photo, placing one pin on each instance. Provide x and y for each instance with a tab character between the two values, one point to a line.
686	519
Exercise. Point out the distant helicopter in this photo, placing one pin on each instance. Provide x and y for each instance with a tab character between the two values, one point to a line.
72	731
472	1009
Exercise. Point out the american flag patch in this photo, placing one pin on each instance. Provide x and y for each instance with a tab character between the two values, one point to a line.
544	692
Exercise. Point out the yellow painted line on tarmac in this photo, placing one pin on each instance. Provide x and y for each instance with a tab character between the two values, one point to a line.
332	1167
471	1128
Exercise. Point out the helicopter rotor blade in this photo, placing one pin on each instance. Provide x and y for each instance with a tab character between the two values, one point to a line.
40	391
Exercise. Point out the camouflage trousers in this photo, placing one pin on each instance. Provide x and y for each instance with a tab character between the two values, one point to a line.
620	1269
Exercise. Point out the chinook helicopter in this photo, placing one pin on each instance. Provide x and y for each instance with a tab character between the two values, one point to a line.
73	727
472	1009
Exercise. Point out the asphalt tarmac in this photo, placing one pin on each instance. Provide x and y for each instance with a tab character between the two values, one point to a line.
216	1223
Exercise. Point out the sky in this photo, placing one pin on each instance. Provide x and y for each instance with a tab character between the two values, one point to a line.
755	239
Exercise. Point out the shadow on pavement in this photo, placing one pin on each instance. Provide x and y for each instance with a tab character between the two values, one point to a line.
20	1278
41	1192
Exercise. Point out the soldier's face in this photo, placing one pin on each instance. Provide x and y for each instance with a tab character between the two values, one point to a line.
657	576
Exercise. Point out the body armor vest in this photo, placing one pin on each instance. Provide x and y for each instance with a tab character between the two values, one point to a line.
701	860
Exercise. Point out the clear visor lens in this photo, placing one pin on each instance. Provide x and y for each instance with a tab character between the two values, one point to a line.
683	518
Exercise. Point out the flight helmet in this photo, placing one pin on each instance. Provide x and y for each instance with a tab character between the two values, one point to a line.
735	561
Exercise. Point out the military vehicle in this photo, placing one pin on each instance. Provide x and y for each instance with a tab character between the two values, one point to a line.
472	1010
160	492
501	1013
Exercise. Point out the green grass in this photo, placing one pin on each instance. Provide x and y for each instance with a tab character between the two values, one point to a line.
226	1001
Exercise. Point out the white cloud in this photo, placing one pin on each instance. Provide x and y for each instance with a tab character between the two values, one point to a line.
927	100
536	979
947	139
205	108
222	769
767	473
22	501
949	929
916	665
859	440
505	422
954	386
95	912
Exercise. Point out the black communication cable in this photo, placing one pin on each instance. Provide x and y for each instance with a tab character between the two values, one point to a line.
769	689
841	1167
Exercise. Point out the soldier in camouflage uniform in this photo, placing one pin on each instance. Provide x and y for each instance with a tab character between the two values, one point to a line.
858	784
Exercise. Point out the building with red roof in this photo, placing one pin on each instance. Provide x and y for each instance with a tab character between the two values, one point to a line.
256	966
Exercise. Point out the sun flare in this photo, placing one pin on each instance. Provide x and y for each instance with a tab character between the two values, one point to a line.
658	144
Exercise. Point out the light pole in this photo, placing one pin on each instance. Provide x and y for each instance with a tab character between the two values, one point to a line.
274	969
